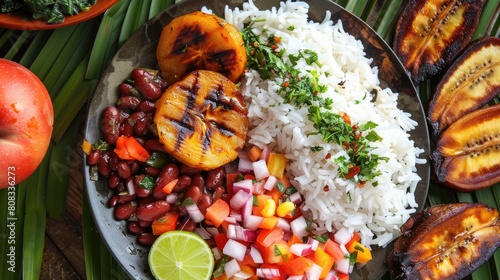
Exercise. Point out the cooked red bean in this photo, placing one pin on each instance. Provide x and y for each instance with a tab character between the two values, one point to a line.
193	193
183	183
186	224
113	180
128	102
113	200
126	129
204	202
144	224
215	178
110	124
167	174
152	211
146	238
146	200
151	171
218	193
198	180
123	170
134	228
184	169
93	157
141	126
103	165
146	106
140	189
149	90
126	210
124	89
113	160
154	145
134	167
126	198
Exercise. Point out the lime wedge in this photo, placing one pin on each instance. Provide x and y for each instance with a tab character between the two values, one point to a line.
181	255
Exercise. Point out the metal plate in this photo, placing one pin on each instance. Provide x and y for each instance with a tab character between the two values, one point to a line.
140	51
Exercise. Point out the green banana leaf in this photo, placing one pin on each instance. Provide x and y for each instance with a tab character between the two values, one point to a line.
81	65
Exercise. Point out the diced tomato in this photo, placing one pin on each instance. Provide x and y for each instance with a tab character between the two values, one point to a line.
333	249
221	240
294	240
355	237
267	237
165	223
296	266
217	212
230	179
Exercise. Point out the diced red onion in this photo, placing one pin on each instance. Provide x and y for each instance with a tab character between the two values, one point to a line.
314	243
283	224
299	226
242	275
258	187
252	222
344	249
231	268
234	249
246	185
236	215
247	209
244	164
342	265
231	220
172	198
270	183
130	187
342	236
256	255
260	169
313	272
195	213
239	199
265	153
301	249
268	273
237	232
295	197
216	252
296	277
332	275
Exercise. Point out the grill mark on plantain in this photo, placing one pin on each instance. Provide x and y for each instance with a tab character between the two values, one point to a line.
189	36
225	59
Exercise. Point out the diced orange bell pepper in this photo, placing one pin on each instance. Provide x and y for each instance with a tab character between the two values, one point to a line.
324	260
363	253
296	266
217	212
165	223
261	203
120	149
269	222
136	150
254	153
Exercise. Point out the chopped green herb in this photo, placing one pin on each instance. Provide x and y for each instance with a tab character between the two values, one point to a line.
316	149
280	187
219	267
359	248
321	238
291	28
290	190
255	201
147	183
188	201
353	257
277	251
240	177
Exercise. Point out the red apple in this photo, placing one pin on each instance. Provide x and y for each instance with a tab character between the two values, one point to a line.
26	121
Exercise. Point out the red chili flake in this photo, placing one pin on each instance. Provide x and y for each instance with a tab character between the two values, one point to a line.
277	39
353	171
328	156
326	188
361	184
285	84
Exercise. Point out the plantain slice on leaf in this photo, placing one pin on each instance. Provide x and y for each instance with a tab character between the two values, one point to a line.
430	33
202	120
200	41
470	82
446	241
467	154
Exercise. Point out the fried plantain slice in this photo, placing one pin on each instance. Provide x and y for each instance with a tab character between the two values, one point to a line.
470	82
430	33
202	120
446	241
467	154
200	41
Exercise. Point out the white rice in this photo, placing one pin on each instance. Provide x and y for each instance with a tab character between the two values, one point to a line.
376	212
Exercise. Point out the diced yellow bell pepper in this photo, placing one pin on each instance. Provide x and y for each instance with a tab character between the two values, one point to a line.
363	253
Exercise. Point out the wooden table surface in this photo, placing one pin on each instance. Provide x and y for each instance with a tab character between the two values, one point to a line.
63	256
